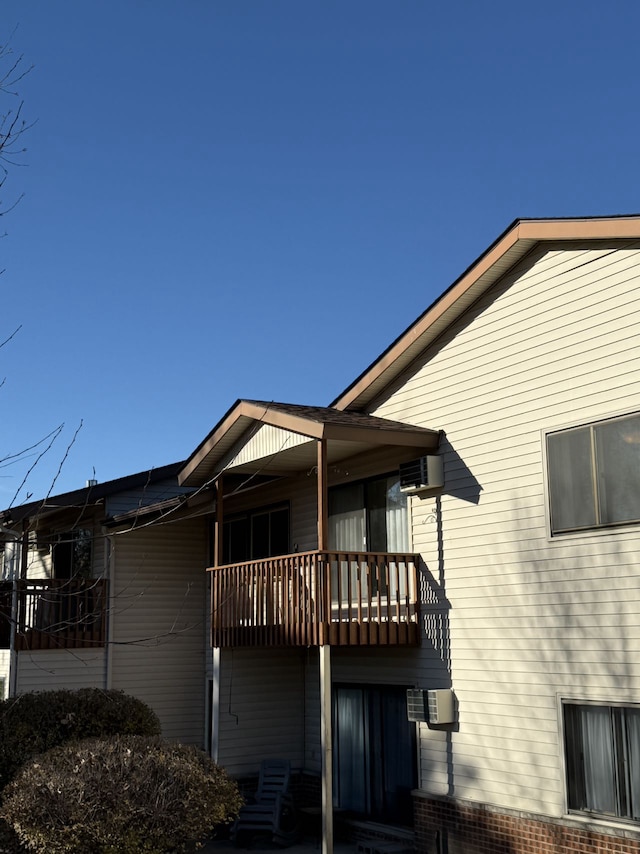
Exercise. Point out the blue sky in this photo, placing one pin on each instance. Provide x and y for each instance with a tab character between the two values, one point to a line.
252	198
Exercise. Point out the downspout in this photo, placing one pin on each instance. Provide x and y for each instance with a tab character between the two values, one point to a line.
110	557
13	655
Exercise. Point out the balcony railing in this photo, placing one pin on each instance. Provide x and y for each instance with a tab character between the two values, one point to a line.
315	598
61	614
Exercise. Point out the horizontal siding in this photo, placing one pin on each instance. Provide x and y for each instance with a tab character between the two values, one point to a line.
48	670
527	619
262	698
266	442
158	623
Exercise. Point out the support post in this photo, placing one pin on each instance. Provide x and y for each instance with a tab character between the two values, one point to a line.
323	501
215	703
216	651
218	525
326	741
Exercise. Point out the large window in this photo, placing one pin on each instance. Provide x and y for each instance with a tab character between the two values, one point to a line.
594	475
602	745
257	534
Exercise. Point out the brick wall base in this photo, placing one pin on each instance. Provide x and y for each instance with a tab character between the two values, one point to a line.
445	826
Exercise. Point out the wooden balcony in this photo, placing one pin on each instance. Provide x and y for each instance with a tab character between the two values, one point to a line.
61	614
316	598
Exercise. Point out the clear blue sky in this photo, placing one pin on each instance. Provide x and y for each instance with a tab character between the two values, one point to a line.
252	198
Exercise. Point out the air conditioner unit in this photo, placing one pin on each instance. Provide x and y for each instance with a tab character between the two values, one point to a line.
441	706
421	474
417	706
434	707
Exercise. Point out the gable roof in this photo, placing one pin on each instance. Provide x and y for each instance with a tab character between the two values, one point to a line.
520	238
314	422
89	495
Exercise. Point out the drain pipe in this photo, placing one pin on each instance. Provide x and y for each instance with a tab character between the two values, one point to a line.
13	655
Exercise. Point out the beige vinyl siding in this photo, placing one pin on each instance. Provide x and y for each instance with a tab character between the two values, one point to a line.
262	696
267	442
158	623
312	733
49	670
530	619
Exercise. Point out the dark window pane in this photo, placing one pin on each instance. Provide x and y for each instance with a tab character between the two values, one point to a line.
377	515
260	536
280	532
618	467
570	480
236	541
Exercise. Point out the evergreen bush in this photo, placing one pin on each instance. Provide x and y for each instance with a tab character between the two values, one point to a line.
33	723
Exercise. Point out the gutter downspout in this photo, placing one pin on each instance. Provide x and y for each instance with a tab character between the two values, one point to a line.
109	558
13	655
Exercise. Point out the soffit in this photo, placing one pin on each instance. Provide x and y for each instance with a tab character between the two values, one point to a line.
346	434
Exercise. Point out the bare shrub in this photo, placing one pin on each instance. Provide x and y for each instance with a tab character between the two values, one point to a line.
122	795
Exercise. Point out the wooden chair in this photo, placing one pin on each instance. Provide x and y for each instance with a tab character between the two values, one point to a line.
270	811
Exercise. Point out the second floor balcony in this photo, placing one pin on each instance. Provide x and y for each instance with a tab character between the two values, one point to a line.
316	598
61	613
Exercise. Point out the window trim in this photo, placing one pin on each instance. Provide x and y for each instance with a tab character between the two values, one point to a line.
587	815
599	529
252	512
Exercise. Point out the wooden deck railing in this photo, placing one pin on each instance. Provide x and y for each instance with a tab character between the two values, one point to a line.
61	614
315	598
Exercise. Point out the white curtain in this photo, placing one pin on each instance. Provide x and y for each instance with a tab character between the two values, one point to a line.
598	759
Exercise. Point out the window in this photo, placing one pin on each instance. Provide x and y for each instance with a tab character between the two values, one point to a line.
260	533
594	475
72	554
602	745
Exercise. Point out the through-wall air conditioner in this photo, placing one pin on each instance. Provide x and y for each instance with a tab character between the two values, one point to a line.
417	705
422	474
433	707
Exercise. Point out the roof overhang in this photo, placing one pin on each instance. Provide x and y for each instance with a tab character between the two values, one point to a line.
347	435
521	238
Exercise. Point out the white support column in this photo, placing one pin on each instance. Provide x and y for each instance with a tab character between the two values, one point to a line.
215	703
326	741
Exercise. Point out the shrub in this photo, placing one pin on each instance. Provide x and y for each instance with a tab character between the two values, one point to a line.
123	795
33	723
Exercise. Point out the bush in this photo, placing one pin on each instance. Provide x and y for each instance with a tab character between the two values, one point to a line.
123	795
33	723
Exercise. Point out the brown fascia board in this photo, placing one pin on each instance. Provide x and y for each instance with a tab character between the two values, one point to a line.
237	421
523	234
306	421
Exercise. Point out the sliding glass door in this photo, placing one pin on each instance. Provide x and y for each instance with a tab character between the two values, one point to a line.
370	516
374	752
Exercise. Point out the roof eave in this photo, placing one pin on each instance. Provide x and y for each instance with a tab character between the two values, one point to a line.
517	241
